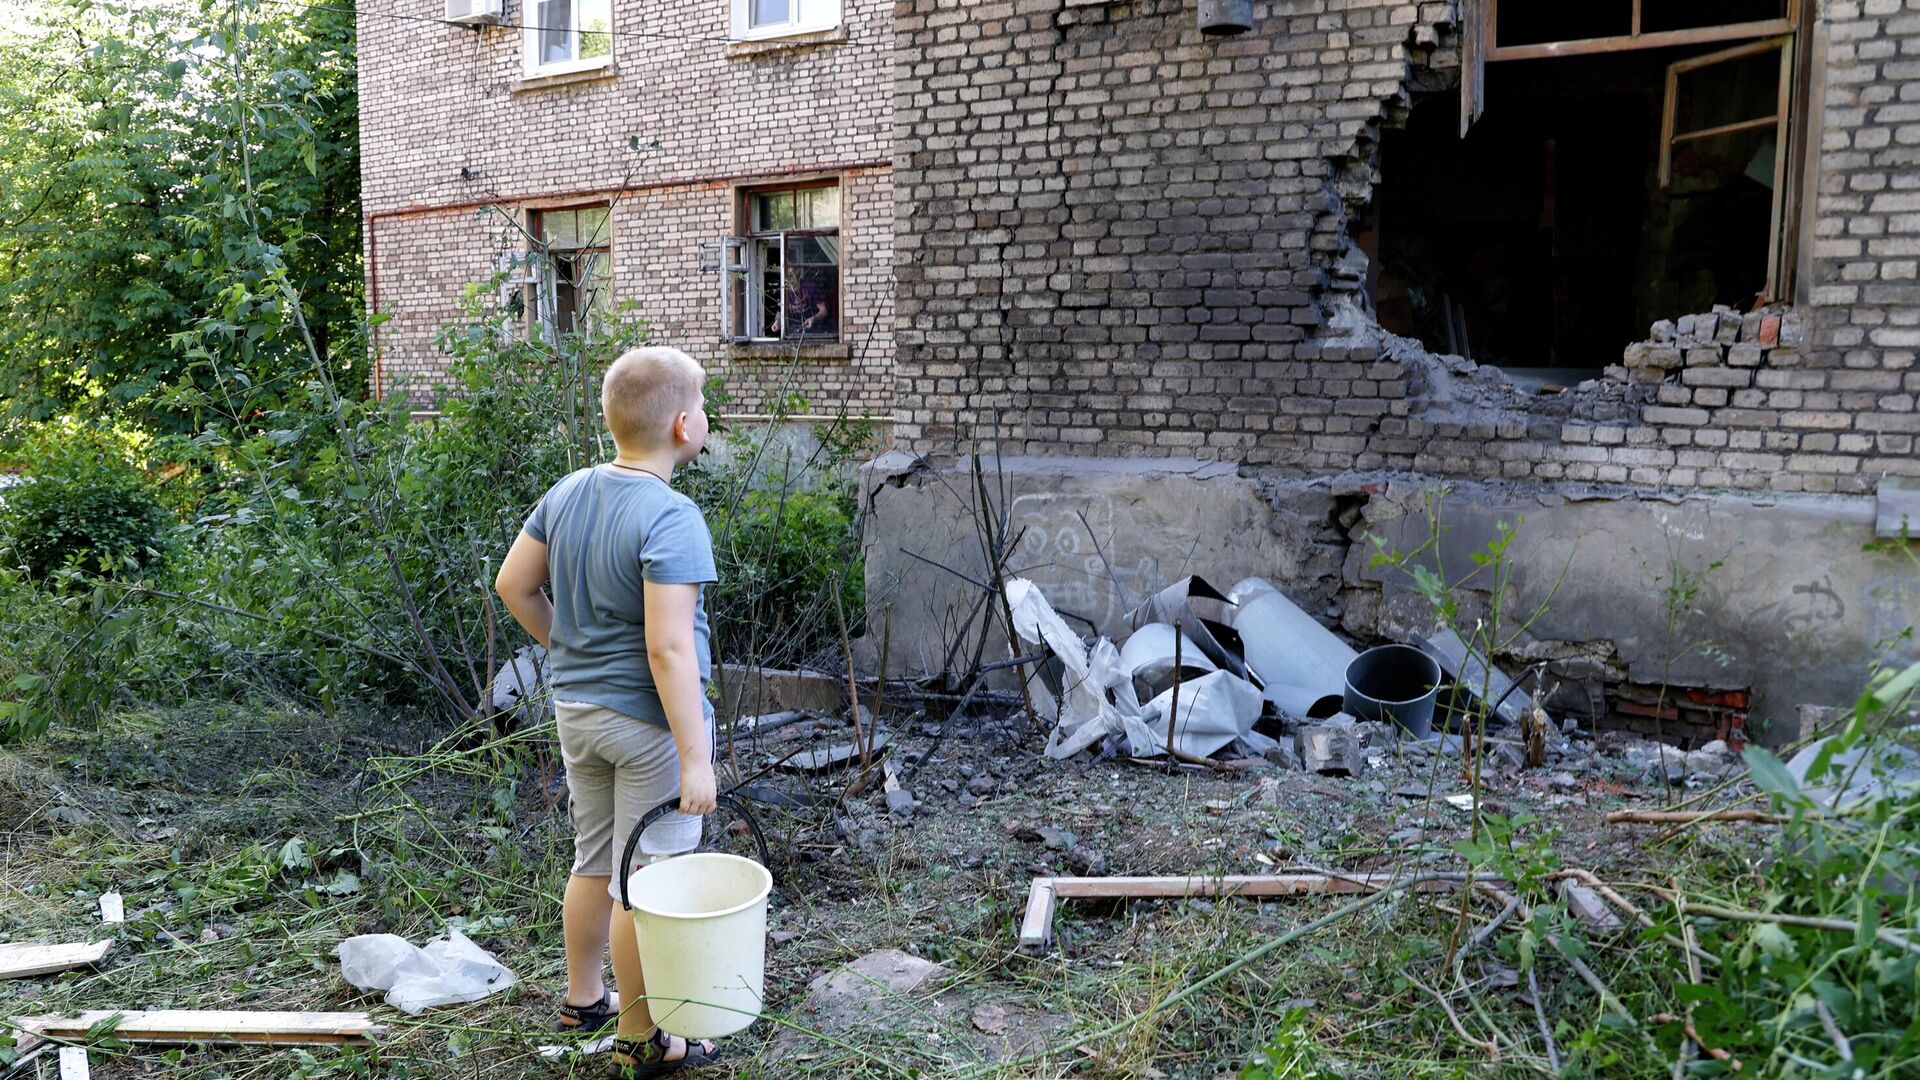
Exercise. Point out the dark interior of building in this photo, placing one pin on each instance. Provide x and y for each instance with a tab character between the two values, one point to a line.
1544	239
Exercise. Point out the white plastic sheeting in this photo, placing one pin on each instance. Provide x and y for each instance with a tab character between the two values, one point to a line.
1098	700
450	970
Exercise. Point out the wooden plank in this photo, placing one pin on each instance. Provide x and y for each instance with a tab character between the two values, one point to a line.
1669	107
1473	61
73	1063
1227	885
215	1026
24	959
1781	144
1036	928
1728	129
1664	39
1738	52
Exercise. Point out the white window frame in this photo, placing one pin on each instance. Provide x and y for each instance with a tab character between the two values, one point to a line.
530	43
792	26
742	266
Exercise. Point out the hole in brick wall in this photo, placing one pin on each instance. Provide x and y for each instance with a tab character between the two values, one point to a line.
1543	241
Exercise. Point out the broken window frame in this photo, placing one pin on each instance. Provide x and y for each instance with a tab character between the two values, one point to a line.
1634	39
743	261
1480	30
1779	121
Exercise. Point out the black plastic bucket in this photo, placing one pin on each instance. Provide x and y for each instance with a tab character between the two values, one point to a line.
1396	684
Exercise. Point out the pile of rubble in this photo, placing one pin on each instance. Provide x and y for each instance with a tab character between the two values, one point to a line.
1721	338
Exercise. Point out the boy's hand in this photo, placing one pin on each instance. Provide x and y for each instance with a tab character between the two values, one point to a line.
697	791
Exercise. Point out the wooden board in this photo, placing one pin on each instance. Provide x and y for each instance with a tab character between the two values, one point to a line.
215	1026
24	960
1036	928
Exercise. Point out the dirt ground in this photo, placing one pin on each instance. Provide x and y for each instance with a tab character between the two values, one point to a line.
249	842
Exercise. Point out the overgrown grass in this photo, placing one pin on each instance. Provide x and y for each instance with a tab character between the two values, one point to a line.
296	830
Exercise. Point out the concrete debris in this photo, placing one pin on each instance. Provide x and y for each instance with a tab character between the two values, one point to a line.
863	1001
1586	905
1087	861
1709	764
1284	756
834	756
1330	750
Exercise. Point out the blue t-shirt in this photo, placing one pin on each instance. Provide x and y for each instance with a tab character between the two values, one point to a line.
607	531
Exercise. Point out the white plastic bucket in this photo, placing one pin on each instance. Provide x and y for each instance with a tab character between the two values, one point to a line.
702	921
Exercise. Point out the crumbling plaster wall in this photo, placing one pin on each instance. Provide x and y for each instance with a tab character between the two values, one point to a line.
1779	599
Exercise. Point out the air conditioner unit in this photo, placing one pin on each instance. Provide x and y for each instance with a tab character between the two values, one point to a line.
476	12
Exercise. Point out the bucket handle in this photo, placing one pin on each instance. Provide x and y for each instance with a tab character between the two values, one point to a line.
737	805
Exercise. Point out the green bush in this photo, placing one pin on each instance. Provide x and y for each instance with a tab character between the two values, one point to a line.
84	502
780	557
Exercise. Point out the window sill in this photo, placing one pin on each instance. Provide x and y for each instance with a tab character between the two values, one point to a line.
776	351
563	78
804	39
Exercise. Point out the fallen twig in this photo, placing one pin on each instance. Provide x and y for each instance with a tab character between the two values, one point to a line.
1491	1046
1690	817
1841	1045
1883	935
1540	1015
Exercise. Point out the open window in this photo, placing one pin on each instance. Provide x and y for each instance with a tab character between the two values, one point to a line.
1707	116
780	279
571	270
1604	166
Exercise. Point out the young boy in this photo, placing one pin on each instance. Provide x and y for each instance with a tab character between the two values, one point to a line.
626	631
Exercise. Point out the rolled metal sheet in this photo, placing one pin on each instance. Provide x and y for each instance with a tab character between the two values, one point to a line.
1300	661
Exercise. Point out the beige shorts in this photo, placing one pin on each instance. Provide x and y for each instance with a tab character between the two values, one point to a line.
618	768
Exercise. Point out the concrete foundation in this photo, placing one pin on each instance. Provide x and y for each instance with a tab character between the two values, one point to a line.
1767	603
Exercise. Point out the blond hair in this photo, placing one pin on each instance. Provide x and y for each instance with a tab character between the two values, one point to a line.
645	390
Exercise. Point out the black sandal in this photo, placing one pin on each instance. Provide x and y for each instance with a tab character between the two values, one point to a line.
586	1018
650	1057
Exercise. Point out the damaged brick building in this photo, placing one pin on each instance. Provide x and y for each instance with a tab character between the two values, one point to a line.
1638	279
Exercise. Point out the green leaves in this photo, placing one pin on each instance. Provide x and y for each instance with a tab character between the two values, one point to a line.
123	219
1769	774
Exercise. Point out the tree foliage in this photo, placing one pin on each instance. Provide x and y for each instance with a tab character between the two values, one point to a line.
128	130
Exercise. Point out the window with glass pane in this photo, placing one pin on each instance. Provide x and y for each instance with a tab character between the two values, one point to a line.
569	34
576	295
772	18
791	290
